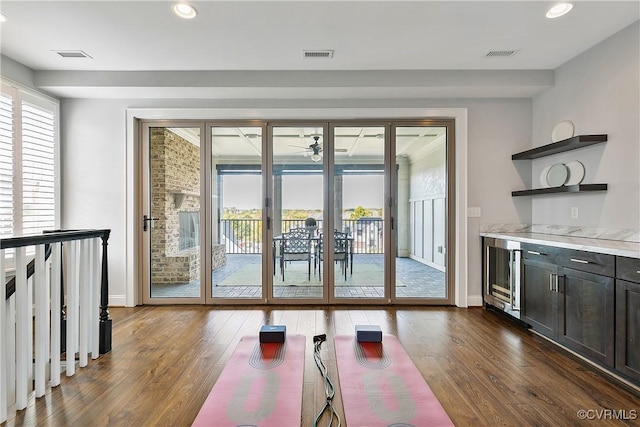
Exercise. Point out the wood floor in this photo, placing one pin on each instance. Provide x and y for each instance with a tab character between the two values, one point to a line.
484	369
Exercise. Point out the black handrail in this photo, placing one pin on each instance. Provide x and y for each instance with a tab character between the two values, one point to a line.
65	236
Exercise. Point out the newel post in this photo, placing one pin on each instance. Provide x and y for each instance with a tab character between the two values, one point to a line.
105	321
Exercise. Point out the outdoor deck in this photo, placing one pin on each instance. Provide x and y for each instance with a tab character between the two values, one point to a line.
241	278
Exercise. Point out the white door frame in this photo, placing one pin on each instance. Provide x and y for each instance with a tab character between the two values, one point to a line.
132	169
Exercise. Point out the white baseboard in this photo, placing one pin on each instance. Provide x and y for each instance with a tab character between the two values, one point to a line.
474	300
117	301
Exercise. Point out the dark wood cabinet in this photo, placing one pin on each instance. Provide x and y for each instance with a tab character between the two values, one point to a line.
586	315
628	317
539	300
564	299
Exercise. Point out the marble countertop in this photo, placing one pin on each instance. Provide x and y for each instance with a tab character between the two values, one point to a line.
611	247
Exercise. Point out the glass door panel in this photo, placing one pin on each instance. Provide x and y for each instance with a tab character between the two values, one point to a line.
358	217
174	218
422	188
298	189
236	213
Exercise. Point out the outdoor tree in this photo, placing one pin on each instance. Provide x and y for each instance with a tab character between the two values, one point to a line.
360	212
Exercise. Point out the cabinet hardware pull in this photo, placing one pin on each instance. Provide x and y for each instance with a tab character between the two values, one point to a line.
581	261
534	252
551	282
558	283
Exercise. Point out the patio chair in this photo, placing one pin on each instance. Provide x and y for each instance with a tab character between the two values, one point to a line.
340	252
295	246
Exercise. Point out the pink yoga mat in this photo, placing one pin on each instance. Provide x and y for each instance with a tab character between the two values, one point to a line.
261	385
381	386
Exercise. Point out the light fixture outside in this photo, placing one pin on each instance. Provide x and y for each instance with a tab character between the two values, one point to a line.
315	157
559	10
184	10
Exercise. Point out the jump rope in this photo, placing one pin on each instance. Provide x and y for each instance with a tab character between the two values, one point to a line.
329	389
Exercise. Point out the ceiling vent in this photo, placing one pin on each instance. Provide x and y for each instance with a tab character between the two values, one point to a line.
500	53
317	54
72	54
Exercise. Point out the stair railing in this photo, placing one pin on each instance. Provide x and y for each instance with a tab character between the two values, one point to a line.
71	280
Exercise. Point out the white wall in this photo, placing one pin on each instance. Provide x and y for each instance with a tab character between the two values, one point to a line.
94	168
599	91
497	129
94	177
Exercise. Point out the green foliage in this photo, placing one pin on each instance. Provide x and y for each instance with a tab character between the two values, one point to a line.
360	212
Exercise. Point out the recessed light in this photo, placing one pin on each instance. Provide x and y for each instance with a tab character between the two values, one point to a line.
3	18
559	10
184	10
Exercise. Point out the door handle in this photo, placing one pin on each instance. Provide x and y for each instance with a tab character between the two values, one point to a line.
146	221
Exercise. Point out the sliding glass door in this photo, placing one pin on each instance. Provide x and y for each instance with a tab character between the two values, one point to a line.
298	192
422	183
359	213
171	223
298	212
237	226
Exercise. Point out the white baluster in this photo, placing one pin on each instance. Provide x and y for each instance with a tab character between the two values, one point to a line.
10	332
72	306
56	312
23	318
3	339
84	304
42	320
30	332
96	275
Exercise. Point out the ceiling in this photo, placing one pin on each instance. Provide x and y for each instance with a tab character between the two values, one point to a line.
244	49
352	144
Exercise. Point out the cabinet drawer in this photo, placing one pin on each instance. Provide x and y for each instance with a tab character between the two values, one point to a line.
587	261
539	252
628	269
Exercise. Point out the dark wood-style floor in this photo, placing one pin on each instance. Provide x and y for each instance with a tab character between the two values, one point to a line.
484	369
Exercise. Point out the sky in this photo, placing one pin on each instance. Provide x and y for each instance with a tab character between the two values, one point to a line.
303	191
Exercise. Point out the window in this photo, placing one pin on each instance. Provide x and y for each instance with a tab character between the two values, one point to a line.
6	165
28	163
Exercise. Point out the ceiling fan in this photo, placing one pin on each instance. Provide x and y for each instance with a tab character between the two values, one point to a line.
316	149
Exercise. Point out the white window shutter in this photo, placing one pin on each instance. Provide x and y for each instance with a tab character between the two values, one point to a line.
6	165
38	169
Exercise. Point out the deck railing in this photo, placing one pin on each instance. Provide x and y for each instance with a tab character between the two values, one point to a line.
52	302
244	236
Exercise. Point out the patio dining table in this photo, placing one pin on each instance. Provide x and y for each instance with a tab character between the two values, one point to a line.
314	241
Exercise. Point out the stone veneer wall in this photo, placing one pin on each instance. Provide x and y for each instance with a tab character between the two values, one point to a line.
175	168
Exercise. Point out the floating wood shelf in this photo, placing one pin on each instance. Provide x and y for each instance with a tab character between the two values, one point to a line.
573	143
579	188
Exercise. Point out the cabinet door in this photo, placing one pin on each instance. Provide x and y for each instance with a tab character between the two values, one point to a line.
586	314
628	328
539	301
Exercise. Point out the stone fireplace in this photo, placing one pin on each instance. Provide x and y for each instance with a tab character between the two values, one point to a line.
175	178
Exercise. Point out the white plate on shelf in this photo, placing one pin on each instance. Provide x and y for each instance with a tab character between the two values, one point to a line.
543	177
563	130
576	172
557	175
